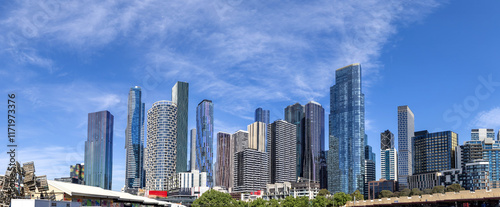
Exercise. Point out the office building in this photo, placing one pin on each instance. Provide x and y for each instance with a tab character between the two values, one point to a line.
204	139
225	153
180	97
99	150
370	169
481	134
281	143
388	156
161	150
256	136
406	129
262	115
434	152
375	187
314	140
134	142
295	114
347	131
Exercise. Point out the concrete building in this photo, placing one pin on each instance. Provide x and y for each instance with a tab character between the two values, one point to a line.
277	191
161	150
481	134
281	143
193	150
99	150
424	181
406	129
476	176
295	114
257	136
225	160
250	170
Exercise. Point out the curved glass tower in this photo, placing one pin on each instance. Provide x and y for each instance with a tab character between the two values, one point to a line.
134	141
347	131
161	150
204	139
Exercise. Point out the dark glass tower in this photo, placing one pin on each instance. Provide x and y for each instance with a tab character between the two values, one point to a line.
295	114
347	131
262	115
204	139
314	140
134	141
180	97
99	150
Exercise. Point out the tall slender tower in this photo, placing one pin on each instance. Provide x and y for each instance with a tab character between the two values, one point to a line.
99	150
180	97
295	114
347	131
204	139
224	156
134	142
314	140
263	116
388	156
281	142
161	151
406	130
193	149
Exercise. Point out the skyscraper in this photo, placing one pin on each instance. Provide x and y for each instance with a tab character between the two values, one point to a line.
314	140
370	169
193	149
204	139
161	150
134	141
295	114
263	116
481	134
256	136
225	152
180	97
99	150
347	131
281	143
240	140
433	152
406	129
388	156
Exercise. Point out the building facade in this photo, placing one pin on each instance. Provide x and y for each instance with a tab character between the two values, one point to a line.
281	149
347	131
406	129
257	136
225	153
161	150
370	166
476	175
375	187
193	150
295	114
134	141
204	139
180	97
481	134
251	170
388	156
314	140
99	150
434	152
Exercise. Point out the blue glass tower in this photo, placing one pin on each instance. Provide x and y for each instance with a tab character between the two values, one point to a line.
295	114
262	116
204	139
99	150
347	131
134	141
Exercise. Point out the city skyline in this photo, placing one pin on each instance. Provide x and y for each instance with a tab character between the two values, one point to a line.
63	72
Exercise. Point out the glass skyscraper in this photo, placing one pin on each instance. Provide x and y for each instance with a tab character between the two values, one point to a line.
314	140
388	156
433	152
99	150
262	115
180	97
347	132
161	150
295	114
134	141
406	130
204	139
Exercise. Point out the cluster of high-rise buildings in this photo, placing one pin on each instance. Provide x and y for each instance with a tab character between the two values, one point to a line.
289	150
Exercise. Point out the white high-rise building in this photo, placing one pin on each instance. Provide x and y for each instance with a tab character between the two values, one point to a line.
406	130
161	153
388	156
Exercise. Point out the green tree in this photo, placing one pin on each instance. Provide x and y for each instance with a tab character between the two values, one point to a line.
438	189
259	202
405	192
239	203
416	192
385	194
274	203
357	195
320	201
396	194
427	191
302	201
288	202
340	199
213	198
323	192
454	188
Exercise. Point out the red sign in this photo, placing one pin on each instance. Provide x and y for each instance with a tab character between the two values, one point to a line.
161	194
255	193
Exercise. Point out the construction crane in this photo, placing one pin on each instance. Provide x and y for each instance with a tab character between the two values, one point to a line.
21	183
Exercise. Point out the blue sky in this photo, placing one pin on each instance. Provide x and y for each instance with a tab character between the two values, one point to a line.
66	59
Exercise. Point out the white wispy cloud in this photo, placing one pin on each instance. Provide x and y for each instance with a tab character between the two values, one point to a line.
486	119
